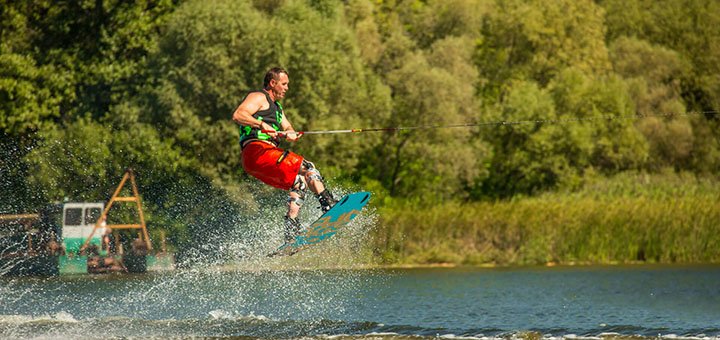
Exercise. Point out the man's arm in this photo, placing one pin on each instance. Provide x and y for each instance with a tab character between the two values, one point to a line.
243	114
286	126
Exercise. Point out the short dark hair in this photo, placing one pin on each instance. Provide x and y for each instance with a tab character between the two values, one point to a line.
273	73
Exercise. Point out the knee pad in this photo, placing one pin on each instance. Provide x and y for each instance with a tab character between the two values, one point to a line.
297	200
300	185
312	173
299	188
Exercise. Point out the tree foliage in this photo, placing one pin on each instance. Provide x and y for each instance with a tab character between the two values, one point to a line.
691	27
537	39
654	75
30	95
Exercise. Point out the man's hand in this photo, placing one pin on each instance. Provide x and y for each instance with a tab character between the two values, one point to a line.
292	136
266	128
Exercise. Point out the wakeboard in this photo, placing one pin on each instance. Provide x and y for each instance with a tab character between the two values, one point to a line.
327	225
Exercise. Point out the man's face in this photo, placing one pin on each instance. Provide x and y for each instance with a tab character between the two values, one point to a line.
279	86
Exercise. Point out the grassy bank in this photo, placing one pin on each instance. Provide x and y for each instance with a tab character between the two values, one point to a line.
634	218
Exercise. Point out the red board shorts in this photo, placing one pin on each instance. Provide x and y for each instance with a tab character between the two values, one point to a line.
260	160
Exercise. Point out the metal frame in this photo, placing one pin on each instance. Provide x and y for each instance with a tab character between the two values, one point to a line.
142	233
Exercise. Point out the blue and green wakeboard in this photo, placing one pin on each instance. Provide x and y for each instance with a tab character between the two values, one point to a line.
344	211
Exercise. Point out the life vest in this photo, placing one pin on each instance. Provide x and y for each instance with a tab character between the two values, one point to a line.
272	116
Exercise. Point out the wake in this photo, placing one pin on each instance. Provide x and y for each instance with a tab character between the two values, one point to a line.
255	235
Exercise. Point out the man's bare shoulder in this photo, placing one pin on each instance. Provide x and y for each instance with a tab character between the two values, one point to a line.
257	97
254	101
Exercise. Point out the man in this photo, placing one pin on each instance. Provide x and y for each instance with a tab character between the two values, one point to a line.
260	117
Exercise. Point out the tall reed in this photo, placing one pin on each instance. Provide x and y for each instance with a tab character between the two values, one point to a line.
624	220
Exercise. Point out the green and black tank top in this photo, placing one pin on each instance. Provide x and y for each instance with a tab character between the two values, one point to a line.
272	116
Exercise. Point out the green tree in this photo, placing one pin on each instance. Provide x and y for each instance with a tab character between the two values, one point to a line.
15	35
690	27
537	39
706	145
80	162
577	123
29	95
433	20
359	15
61	60
532	157
432	90
605	109
654	75
101	46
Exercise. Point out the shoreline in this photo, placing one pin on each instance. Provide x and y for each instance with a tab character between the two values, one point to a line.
253	267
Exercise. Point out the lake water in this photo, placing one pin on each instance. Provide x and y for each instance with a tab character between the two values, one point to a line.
250	301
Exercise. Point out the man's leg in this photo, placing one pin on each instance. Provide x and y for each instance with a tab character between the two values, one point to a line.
315	183
296	196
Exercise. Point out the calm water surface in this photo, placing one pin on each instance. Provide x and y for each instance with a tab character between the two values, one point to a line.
646	301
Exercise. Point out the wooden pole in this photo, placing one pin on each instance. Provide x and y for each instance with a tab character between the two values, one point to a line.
140	211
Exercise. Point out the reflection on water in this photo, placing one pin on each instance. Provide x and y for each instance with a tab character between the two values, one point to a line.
469	302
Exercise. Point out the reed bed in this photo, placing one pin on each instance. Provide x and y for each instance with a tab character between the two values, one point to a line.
624	220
